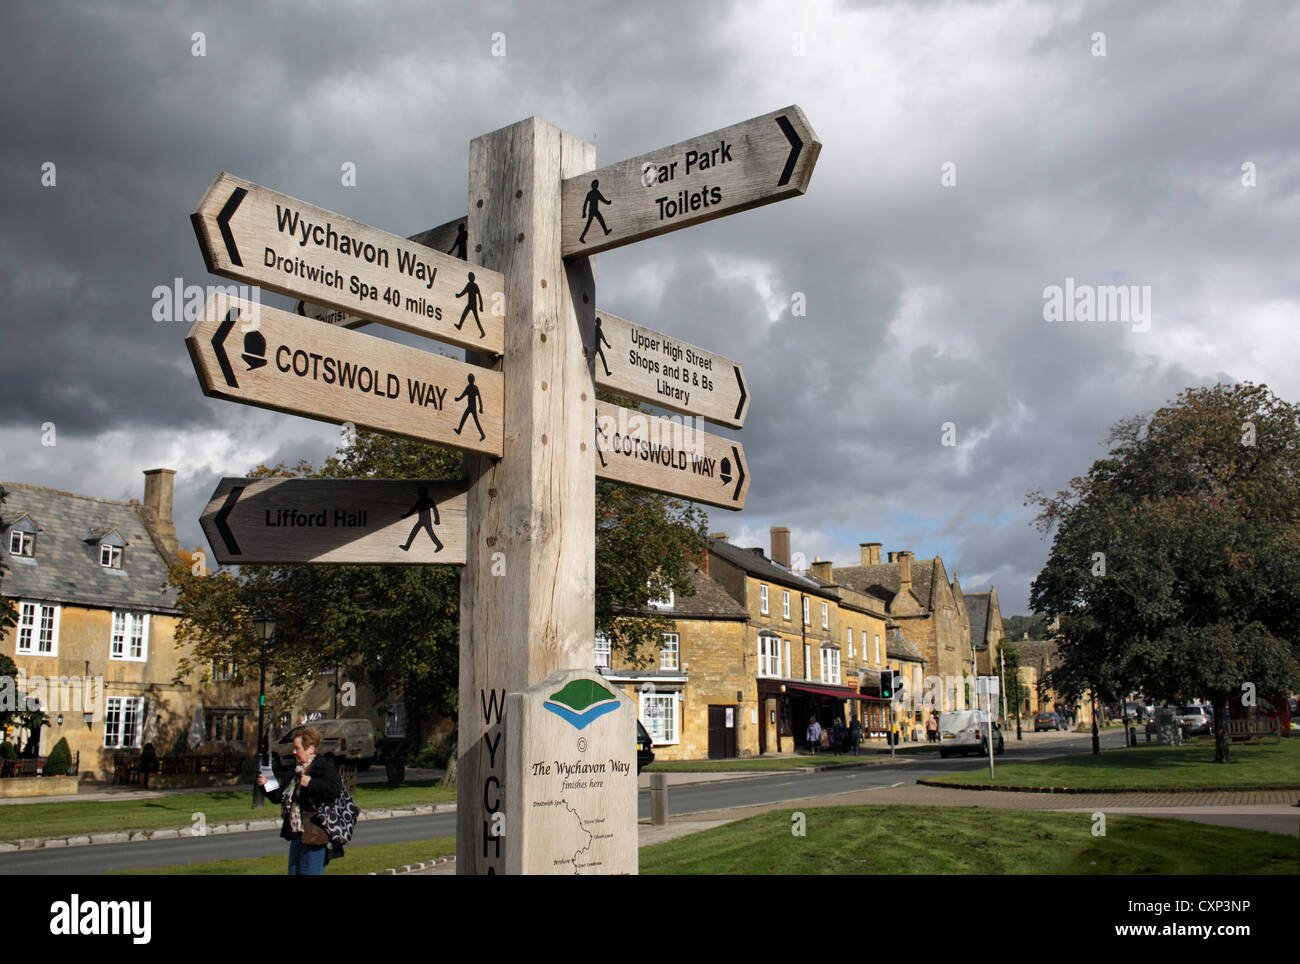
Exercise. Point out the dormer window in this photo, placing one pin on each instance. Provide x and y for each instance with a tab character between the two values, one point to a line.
21	543
22	537
664	602
111	545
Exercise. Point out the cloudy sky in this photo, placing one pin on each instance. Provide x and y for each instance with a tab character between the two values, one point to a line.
973	156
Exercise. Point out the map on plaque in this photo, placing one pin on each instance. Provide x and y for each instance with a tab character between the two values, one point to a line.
571	784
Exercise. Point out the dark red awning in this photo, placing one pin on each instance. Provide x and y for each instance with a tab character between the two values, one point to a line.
839	694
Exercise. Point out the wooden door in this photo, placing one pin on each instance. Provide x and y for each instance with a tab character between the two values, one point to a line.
723	723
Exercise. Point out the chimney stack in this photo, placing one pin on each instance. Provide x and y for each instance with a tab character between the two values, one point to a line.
822	571
158	487
781	545
893	557
904	570
870	553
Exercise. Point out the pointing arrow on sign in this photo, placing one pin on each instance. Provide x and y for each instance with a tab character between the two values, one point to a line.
223	529
223	224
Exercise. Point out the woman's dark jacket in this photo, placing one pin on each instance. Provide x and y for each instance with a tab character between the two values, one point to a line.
324	788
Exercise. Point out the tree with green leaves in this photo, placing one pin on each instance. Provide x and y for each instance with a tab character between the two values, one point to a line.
1175	565
399	625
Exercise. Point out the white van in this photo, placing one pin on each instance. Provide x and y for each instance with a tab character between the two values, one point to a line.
963	731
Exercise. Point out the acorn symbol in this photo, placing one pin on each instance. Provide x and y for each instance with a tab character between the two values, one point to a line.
254	350
726	471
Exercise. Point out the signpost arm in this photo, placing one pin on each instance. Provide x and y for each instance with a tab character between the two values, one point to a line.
527	588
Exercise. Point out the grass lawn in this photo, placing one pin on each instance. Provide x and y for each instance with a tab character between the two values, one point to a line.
219	806
1253	764
356	860
968	840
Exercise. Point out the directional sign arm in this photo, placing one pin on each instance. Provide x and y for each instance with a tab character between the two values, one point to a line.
649	452
358	521
261	237
666	371
295	365
758	161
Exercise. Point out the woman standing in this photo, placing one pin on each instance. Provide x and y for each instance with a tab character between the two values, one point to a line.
315	784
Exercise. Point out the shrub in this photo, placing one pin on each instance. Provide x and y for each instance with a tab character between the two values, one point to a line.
59	760
434	754
7	751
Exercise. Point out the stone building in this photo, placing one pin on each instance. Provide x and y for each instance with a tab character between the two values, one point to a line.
758	650
95	639
986	630
693	689
929	611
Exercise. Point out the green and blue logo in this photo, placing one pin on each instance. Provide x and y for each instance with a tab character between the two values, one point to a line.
581	702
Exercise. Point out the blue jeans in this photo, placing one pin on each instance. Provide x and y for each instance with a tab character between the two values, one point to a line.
304	859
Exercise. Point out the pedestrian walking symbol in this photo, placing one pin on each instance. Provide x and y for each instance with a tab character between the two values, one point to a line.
457	248
424	506
591	209
600	352
473	303
473	405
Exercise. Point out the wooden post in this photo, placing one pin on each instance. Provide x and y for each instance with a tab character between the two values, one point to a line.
527	589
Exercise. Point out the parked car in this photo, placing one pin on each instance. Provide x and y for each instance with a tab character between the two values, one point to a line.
1196	718
645	755
1048	721
343	741
963	731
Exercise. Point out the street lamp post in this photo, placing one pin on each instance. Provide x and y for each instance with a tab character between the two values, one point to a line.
264	627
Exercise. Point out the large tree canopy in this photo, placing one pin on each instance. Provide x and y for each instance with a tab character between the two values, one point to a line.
399	625
1175	566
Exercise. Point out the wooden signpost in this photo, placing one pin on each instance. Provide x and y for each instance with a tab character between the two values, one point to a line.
560	795
356	521
273	359
257	235
758	161
665	371
668	455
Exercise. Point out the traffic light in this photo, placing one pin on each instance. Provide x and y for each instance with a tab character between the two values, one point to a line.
886	684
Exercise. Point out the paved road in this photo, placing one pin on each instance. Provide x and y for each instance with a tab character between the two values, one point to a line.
697	798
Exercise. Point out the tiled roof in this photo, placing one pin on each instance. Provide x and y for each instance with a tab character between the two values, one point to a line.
710	601
762	567
883	580
899	648
1034	651
65	567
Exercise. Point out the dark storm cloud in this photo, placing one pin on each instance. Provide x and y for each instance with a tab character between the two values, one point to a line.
924	303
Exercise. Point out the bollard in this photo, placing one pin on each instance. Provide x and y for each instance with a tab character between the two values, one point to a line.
1132	736
658	799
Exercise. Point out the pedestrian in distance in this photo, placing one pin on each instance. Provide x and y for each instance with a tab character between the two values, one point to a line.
814	734
315	784
855	735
